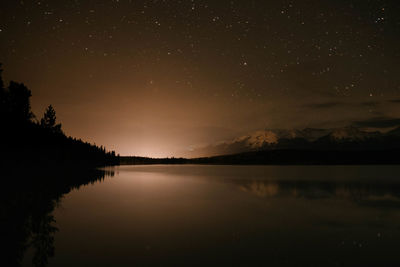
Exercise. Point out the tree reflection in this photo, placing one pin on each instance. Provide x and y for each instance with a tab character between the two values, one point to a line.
27	202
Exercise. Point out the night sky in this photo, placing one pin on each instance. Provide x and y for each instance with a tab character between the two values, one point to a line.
156	78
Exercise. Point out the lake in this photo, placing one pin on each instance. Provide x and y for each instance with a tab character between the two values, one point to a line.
200	215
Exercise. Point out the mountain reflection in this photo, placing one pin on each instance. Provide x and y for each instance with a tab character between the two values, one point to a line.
27	201
379	195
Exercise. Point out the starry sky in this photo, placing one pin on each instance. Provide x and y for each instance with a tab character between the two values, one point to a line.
155	78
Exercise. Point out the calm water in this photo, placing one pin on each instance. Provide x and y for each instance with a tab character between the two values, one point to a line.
232	215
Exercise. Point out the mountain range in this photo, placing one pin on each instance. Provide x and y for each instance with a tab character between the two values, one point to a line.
346	138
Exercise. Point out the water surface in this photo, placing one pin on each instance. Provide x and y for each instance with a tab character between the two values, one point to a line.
231	215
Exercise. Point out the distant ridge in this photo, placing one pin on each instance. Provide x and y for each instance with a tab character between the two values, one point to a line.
304	139
310	146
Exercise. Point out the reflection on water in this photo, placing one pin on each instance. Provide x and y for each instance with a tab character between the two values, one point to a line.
386	195
28	200
205	215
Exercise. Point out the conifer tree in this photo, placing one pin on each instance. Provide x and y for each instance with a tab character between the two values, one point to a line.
49	120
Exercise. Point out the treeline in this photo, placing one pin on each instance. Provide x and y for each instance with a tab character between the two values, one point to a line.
26	140
284	157
126	160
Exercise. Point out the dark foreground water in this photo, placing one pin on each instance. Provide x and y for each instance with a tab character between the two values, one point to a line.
229	215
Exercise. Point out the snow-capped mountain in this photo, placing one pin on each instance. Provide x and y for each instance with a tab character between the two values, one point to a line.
289	139
312	134
258	139
351	134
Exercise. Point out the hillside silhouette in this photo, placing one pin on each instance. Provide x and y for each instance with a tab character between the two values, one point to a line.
26	141
40	165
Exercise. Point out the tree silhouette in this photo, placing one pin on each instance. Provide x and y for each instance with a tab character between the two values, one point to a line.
15	107
29	141
49	120
19	101
1	79
3	97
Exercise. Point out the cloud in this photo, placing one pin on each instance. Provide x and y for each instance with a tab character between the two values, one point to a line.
378	122
324	105
332	104
369	103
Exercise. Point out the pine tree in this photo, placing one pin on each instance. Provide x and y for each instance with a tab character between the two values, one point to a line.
49	120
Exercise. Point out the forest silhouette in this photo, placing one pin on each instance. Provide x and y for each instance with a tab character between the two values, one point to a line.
41	164
26	141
